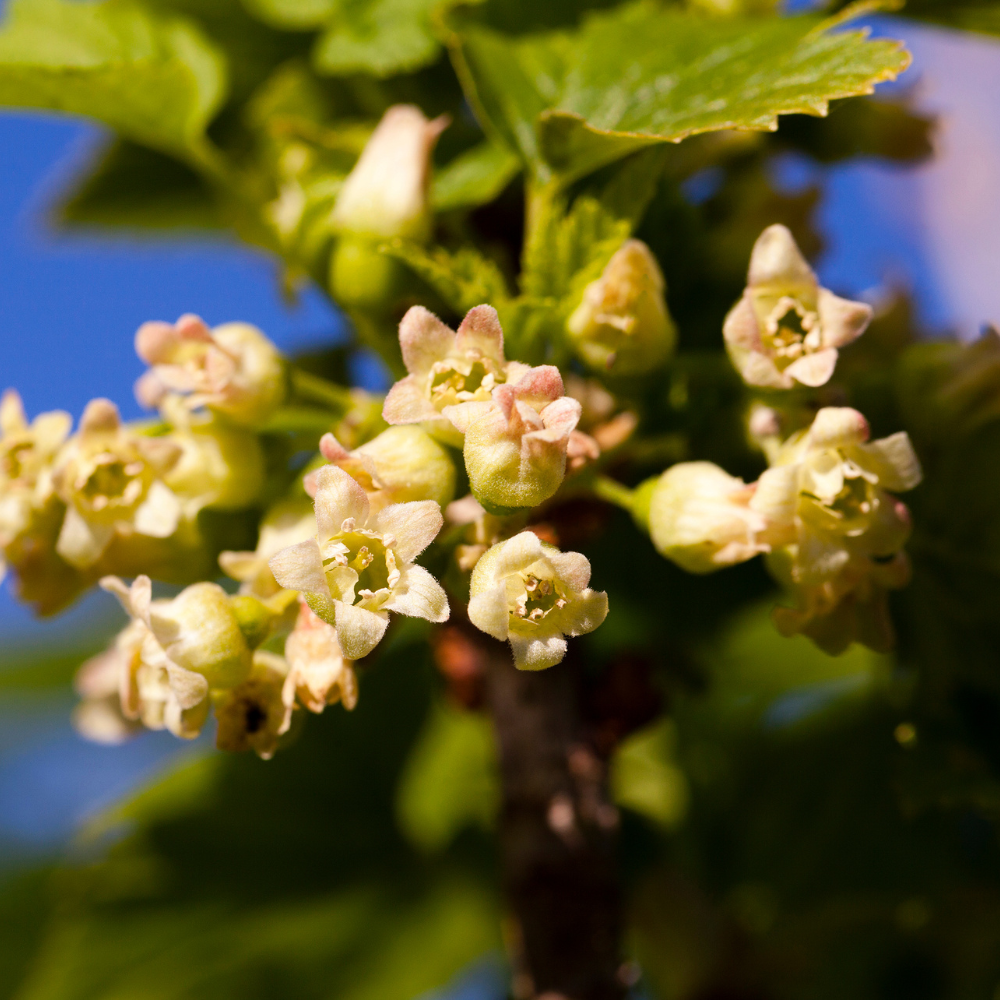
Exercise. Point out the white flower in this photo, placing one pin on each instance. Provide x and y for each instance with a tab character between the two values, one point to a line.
319	674
99	716
532	595
786	329
359	567
256	713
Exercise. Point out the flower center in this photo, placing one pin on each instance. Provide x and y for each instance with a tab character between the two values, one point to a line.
792	331
450	385
15	461
369	556
540	598
113	480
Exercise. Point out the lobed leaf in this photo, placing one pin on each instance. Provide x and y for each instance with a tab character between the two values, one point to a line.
570	102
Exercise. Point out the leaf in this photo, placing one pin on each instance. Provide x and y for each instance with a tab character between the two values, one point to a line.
156	80
463	279
570	102
293	15
450	780
646	778
474	177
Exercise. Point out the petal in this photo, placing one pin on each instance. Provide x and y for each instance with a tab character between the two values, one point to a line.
841	320
481	331
338	497
157	516
414	526
464	415
100	416
489	613
777	494
81	543
242	566
741	329
12	416
189	688
300	567
406	404
777	260
332	450
537	653
423	340
836	426
50	430
562	416
419	595
894	461
573	568
517	553
359	631
584	612
814	369
539	386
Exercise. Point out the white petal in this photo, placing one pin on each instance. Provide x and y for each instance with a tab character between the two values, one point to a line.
81	543
419	595
537	654
406	404
518	553
489	613
777	493
777	260
841	320
300	567
359	631
573	568
338	497
158	514
189	688
414	525
423	340
584	612
895	462
814	369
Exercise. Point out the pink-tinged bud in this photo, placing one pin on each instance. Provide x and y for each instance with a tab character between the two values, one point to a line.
360	564
232	369
256	713
703	519
532	595
515	444
112	482
402	464
446	368
786	329
385	195
622	325
319	673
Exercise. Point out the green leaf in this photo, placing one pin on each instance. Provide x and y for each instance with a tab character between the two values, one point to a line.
463	279
450	780
293	15
570	102
156	80
646	778
475	177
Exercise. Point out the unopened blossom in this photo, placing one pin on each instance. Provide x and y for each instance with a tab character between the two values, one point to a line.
256	713
112	482
318	672
233	369
849	527
622	325
532	595
786	329
286	523
385	195
359	566
703	519
99	717
176	651
447	368
516	443
26	456
401	464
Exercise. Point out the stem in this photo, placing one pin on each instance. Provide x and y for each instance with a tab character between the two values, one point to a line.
614	492
316	389
557	836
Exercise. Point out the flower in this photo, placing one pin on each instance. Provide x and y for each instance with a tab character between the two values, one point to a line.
99	716
786	329
256	713
447	368
233	369
286	523
359	566
385	195
176	651
112	482
703	519
319	675
26	456
516	443
532	595
622	324
401	464
849	528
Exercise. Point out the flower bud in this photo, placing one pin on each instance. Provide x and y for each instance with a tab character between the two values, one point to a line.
385	195
622	325
254	714
359	566
515	444
112	482
319	674
532	595
703	519
401	464
232	369
786	329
